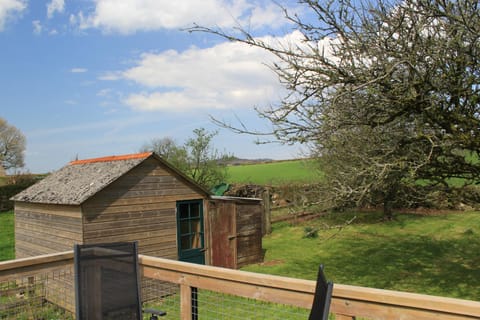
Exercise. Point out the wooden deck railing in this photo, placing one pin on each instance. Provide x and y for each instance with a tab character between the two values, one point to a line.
348	301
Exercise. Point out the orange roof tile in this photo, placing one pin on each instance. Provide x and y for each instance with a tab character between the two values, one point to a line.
113	158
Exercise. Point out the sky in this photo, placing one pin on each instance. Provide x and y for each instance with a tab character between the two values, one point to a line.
93	78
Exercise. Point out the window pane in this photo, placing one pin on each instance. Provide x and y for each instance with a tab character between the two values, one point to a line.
185	242
196	234
184	227
194	210
183	210
196	244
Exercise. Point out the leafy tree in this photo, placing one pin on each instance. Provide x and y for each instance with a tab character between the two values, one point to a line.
169	150
206	165
385	93
197	158
12	146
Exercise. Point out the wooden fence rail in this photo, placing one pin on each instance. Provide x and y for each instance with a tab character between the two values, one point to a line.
348	301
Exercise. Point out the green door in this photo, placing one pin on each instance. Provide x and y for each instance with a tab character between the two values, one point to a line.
190	231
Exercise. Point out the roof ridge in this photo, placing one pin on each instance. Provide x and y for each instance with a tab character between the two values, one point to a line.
113	158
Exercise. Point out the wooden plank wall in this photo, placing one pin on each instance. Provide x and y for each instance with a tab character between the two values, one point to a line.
43	229
221	244
139	206
249	233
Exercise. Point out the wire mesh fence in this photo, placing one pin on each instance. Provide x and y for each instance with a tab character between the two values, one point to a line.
214	305
42	288
40	296
50	295
161	295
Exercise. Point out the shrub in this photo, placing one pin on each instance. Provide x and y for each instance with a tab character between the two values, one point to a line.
310	232
15	184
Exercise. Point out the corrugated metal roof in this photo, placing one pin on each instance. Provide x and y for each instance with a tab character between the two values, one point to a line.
79	180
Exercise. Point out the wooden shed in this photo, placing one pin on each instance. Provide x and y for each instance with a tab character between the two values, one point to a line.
136	197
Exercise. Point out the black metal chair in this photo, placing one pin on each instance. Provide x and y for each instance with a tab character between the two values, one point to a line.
107	282
322	297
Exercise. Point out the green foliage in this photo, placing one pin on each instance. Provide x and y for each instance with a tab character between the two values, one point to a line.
169	150
7	236
12	146
197	158
310	232
13	185
384	92
435	255
275	173
44	311
205	164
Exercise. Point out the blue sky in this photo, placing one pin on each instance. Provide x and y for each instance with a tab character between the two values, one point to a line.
92	78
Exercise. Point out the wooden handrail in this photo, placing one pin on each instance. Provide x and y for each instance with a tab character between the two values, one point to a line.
33	265
348	301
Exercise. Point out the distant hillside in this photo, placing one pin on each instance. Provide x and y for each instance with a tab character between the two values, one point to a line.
238	161
274	172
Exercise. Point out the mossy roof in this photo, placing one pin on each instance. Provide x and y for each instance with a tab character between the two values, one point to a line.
81	179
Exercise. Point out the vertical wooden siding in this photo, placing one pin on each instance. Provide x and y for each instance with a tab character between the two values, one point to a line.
249	233
43	228
223	241
139	206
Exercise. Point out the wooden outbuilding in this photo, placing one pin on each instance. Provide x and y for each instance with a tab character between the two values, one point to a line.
137	197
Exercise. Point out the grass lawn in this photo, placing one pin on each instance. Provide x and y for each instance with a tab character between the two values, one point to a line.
7	236
437	255
279	172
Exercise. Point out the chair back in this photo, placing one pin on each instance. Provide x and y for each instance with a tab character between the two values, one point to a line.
107	281
322	297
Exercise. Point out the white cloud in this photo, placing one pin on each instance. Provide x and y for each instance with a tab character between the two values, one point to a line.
227	76
78	70
37	26
269	15
111	76
8	10
55	6
104	93
129	16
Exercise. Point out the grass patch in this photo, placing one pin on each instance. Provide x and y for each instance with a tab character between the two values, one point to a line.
215	305
274	173
7	236
3	181
435	255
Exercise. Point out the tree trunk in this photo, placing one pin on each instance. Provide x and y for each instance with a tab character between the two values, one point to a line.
387	210
388	205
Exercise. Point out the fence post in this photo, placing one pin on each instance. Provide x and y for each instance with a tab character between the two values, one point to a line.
267	213
185	302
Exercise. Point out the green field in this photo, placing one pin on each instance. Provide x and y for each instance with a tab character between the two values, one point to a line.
437	255
274	173
7	236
